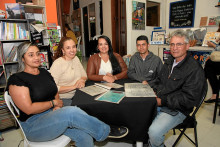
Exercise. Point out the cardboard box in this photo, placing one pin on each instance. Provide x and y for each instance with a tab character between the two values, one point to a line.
39	2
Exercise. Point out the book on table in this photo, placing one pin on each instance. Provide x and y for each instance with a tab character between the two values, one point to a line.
99	88
109	85
138	90
111	96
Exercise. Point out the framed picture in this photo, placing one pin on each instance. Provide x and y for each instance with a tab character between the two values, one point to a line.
15	11
158	37
138	15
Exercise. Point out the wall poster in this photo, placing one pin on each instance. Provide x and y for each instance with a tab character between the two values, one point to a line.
138	15
182	14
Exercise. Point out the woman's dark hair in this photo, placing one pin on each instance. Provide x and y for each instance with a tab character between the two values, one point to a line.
59	52
115	65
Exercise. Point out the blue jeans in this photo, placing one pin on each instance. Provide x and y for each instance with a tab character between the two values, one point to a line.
161	125
70	121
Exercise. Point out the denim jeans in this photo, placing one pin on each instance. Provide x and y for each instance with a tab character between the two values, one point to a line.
161	125
70	121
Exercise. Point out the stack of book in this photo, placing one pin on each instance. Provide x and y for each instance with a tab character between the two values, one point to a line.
12	56
6	119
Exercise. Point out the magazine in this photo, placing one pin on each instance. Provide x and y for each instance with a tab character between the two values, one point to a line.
109	85
99	88
111	96
210	36
93	90
138	90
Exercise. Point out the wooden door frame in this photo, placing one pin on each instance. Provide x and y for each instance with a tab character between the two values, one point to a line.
59	4
116	19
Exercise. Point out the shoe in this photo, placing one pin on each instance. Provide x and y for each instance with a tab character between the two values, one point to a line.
211	100
118	132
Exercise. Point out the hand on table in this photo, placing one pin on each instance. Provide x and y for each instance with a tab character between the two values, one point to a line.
80	83
109	79
144	82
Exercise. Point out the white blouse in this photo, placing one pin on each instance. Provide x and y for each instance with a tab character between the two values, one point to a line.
105	67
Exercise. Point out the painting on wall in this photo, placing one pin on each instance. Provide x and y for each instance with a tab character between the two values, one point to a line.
138	15
158	37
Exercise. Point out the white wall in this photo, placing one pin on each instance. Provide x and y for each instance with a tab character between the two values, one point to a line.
107	23
203	8
106	8
133	34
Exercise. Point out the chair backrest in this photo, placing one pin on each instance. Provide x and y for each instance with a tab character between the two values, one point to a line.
204	92
78	43
9	102
61	141
96	37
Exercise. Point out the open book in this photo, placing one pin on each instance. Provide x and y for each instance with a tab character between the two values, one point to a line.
111	96
138	90
211	36
99	88
109	85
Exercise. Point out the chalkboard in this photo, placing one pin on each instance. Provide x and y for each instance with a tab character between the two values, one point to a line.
182	14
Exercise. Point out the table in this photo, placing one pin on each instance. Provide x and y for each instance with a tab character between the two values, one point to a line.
136	113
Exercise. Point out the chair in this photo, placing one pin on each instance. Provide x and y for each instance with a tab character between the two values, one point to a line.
96	37
61	141
216	105
190	121
78	43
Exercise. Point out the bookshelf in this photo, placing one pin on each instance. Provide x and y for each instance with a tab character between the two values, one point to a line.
12	33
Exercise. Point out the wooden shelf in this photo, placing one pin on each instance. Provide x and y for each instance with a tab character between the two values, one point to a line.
33	6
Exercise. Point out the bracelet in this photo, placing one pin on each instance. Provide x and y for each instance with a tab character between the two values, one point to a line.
52	104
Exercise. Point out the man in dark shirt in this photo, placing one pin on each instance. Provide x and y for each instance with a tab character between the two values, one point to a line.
144	65
178	88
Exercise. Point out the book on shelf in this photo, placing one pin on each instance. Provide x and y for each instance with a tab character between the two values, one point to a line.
12	56
210	36
44	59
203	21
111	96
1	53
212	21
13	31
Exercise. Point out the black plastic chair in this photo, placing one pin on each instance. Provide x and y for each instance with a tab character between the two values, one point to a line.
216	104
190	121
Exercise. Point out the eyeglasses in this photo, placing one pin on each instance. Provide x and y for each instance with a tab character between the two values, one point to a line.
178	45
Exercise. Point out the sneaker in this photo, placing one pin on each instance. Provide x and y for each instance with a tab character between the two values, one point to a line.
118	132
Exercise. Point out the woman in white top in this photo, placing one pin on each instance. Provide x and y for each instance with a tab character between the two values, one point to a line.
67	70
106	65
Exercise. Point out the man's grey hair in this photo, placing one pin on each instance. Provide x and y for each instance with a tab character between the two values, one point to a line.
180	33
